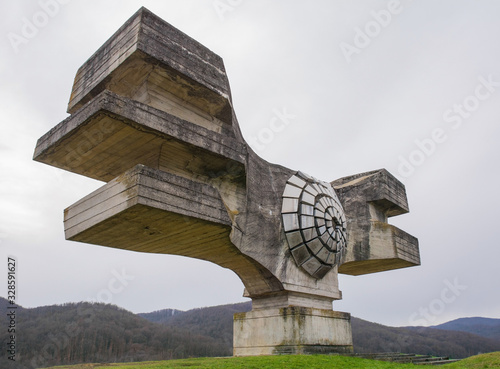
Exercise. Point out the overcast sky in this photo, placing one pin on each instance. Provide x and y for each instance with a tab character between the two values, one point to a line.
413	87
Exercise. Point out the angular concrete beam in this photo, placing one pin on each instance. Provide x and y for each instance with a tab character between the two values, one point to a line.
148	187
373	244
148	50
112	133
148	210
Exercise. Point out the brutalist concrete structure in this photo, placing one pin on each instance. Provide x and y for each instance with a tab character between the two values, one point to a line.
151	115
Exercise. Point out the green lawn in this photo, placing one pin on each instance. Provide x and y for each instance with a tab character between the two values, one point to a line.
491	360
254	362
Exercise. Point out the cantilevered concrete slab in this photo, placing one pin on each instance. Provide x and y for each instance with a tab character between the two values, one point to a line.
369	199
151	115
147	57
111	133
149	210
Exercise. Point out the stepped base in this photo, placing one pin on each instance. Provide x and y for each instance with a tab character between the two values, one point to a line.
401	358
292	330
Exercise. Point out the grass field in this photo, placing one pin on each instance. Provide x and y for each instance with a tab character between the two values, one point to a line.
491	360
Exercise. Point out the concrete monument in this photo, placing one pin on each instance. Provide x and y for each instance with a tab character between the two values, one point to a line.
151	115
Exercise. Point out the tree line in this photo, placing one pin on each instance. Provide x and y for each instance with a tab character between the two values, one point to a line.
98	333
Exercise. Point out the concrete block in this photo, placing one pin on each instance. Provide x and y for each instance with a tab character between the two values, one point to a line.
291	330
369	199
147	51
112	133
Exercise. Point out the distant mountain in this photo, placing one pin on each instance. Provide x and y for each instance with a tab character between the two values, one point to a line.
485	327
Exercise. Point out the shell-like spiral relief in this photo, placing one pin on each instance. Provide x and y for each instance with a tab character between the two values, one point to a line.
314	224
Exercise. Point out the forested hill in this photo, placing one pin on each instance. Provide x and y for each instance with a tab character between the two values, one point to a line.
215	321
373	337
368	337
160	316
89	333
86	333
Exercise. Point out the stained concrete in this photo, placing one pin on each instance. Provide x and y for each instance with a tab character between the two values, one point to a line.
291	330
369	199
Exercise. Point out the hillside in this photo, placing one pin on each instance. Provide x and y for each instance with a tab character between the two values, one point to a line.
485	327
160	316
373	337
84	332
216	322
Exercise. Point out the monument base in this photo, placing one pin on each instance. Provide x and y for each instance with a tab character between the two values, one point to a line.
291	330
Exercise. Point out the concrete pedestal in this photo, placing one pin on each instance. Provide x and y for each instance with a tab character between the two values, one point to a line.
291	330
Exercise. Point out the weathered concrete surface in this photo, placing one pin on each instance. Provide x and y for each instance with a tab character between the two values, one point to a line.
374	245
291	330
151	114
148	210
112	134
146	50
